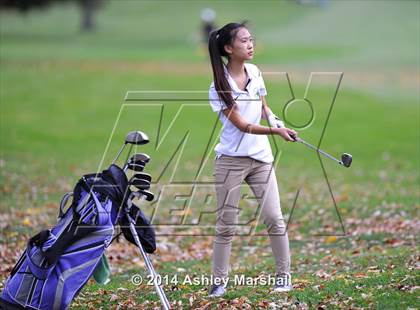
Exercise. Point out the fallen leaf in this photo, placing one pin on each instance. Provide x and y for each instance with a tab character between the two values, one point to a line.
330	239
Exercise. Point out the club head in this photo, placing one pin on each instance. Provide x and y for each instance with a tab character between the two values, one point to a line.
143	176
346	160
138	163
135	167
136	137
149	196
139	157
140	184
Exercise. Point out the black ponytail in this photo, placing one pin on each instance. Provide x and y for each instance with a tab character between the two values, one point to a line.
217	41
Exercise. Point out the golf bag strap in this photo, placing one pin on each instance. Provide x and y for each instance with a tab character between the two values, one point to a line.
102	217
83	183
73	232
63	203
38	239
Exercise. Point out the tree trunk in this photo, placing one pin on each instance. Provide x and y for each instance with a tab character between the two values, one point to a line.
88	8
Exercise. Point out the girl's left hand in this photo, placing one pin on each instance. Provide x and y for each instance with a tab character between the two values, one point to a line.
287	134
292	134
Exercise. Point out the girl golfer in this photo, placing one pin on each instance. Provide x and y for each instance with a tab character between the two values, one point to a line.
244	153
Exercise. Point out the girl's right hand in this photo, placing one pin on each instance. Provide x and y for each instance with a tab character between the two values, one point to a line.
287	134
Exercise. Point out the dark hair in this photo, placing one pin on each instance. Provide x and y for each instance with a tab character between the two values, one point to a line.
217	41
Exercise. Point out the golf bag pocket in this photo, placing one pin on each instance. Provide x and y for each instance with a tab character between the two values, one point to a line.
35	284
57	263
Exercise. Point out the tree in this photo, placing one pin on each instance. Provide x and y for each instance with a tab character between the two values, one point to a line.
87	8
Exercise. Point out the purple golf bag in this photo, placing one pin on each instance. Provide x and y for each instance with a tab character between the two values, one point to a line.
58	262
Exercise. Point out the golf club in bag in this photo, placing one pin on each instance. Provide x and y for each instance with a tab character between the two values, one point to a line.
58	262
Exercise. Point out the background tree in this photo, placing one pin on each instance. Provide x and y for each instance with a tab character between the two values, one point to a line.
87	8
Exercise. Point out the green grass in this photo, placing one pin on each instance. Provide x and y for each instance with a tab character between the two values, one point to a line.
62	93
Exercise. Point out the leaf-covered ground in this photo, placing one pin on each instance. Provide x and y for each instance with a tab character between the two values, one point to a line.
375	264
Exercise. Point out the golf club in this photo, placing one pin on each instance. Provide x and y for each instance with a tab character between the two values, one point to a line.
143	176
133	137
346	158
134	167
137	162
139	157
147	195
140	184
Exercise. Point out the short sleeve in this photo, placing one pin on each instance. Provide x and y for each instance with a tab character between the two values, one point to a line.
262	89
215	102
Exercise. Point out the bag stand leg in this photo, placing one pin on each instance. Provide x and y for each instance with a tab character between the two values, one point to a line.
150	268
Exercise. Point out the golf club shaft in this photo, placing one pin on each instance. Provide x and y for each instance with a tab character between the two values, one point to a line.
150	268
318	150
119	153
125	167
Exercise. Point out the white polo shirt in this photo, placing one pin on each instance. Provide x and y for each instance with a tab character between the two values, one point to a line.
234	142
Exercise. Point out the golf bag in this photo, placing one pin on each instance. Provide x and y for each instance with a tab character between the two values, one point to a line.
58	262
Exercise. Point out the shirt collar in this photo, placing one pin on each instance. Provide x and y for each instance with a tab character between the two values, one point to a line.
232	82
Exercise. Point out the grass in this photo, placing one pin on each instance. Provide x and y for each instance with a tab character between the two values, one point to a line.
62	92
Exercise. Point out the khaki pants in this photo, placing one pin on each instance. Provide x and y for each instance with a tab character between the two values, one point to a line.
229	173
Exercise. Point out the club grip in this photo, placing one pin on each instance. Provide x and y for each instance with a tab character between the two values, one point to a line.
293	136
